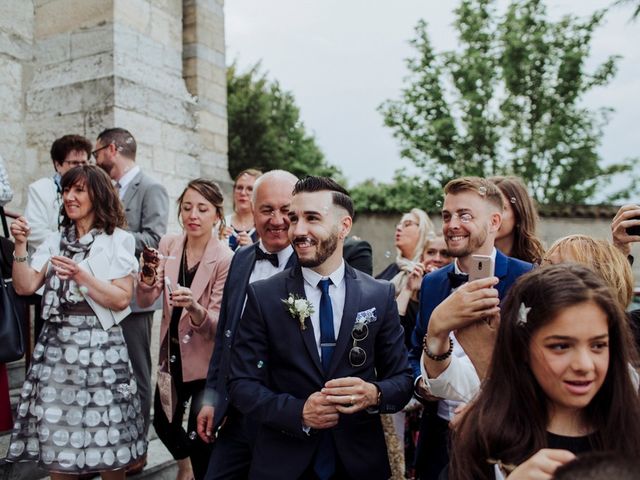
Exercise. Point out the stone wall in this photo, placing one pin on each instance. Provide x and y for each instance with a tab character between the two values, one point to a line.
16	53
379	230
79	66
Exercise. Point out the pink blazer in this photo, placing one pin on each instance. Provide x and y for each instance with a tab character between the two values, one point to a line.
207	287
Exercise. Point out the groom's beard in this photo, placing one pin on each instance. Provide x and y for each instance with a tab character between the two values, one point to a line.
324	249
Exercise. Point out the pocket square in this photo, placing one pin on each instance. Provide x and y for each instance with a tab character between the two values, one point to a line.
366	316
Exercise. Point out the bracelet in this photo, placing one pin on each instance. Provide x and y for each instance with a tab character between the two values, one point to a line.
20	259
436	358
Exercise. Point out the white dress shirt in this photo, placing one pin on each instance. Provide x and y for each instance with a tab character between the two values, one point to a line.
337	292
126	180
264	269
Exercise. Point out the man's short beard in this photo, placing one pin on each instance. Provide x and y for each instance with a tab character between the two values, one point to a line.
325	249
107	167
473	245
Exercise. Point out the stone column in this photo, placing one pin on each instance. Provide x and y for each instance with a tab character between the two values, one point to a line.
16	36
205	75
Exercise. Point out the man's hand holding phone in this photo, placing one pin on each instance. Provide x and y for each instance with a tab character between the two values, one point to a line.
625	227
471	302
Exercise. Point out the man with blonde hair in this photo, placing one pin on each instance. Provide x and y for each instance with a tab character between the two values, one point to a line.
471	218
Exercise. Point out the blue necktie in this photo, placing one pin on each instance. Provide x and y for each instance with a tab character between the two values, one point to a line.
327	335
324	464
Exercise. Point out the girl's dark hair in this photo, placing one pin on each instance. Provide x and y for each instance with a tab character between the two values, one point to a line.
526	245
105	202
509	418
212	193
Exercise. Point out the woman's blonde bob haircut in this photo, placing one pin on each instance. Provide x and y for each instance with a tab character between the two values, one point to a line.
602	257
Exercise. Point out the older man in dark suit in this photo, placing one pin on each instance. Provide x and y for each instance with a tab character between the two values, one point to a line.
146	205
271	254
319	353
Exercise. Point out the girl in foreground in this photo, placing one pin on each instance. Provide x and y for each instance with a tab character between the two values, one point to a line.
558	383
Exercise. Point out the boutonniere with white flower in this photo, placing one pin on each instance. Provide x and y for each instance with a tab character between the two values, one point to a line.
299	308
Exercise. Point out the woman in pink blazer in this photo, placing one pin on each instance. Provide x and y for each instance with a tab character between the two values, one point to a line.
192	272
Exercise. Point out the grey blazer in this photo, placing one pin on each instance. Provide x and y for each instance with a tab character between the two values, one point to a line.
146	206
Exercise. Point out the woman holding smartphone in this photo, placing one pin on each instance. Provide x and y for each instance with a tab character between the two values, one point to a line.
193	269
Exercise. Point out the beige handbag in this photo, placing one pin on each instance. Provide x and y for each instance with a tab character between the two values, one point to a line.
166	386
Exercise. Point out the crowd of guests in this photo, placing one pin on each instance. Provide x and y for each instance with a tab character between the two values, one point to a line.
475	354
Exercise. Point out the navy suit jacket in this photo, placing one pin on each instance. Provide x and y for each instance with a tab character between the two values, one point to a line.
275	366
436	287
233	296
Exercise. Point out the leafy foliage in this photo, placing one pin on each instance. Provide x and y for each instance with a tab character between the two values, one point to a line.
636	9
265	130
508	101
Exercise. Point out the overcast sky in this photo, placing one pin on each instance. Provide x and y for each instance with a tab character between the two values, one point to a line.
342	58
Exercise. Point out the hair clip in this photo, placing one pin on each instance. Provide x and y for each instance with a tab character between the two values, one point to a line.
523	311
482	191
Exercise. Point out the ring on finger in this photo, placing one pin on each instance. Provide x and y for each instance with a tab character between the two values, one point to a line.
352	399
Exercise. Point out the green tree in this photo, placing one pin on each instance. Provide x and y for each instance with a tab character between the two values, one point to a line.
636	10
265	130
508	101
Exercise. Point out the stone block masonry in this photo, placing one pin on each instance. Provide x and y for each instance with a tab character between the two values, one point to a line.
155	67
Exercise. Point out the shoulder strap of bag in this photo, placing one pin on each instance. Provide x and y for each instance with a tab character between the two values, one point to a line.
5	227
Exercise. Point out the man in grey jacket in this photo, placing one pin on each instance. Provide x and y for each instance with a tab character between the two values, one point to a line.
146	206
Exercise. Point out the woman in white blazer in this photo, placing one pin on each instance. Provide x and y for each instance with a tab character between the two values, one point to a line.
79	411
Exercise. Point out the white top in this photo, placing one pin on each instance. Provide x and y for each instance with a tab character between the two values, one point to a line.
337	292
110	257
126	179
264	269
459	382
42	210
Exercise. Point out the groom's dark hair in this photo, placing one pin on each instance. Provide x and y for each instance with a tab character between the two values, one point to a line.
340	195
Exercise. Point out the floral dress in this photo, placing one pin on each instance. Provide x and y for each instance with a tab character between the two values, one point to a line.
79	409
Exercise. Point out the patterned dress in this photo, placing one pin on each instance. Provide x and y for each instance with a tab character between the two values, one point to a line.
79	409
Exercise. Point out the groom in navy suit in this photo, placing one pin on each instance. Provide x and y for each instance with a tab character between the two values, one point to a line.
471	217
319	353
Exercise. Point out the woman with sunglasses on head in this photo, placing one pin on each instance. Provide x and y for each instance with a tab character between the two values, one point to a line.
556	387
412	234
79	411
517	236
240	228
191	271
411	238
434	256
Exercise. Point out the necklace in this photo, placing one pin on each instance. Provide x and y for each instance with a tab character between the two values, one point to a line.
185	263
240	226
